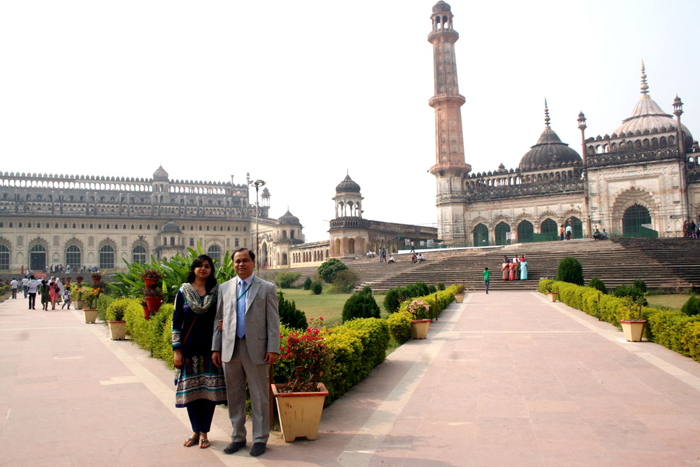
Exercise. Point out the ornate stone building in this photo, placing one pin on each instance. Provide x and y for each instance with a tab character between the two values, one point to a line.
643	180
100	221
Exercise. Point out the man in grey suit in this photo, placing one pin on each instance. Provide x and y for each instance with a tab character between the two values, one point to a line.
249	341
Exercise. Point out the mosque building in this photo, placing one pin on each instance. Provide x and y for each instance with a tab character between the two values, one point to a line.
642	180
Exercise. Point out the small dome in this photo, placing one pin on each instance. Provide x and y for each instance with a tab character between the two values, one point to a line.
266	193
549	148
347	186
171	227
161	174
288	219
441	7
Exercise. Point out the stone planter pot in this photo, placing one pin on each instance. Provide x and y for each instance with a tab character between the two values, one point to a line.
633	329
117	330
149	282
459	297
553	296
419	328
90	316
79	304
299	412
153	303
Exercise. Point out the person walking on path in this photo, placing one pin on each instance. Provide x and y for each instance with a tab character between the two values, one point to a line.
66	298
54	293
13	286
32	286
247	344
200	384
487	277
25	286
44	292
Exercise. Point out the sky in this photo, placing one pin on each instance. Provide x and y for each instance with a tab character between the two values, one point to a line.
299	94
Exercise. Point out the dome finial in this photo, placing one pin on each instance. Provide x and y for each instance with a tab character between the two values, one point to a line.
645	86
546	112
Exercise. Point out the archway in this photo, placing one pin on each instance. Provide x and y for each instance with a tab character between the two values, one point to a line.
632	222
576	226
106	257
549	230
264	255
37	258
284	259
138	254
351	246
481	235
336	247
526	232
501	230
73	256
4	257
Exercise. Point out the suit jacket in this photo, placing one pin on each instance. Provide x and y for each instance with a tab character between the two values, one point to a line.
262	320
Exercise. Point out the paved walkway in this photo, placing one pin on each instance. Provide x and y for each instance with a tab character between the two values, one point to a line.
506	379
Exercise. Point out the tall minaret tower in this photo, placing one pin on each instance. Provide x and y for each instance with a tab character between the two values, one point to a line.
449	168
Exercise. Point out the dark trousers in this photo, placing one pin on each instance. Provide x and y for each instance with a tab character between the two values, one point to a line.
14	293
487	285
32	300
24	287
201	413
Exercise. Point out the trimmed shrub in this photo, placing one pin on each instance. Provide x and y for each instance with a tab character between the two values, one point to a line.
421	288
307	284
441	286
634	293
316	288
361	305
598	284
392	300
290	316
374	334
692	306
400	326
432	289
330	268
570	270
287	279
345	281
444	298
640	284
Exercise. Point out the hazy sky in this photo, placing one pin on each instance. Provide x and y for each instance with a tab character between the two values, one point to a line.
299	93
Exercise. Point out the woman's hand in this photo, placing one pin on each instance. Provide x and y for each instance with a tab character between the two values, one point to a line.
221	325
178	359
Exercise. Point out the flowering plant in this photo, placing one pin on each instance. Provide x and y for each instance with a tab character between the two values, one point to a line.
419	309
307	354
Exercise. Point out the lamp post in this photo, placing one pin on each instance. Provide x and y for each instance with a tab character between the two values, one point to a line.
678	111
586	206
257	184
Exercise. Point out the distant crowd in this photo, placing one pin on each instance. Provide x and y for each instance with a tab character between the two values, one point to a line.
691	229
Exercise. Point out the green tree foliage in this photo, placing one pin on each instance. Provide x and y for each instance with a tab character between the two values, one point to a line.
636	294
598	284
361	305
329	269
307	283
287	279
640	284
317	288
392	300
441	286
345	281
692	306
290	316
570	270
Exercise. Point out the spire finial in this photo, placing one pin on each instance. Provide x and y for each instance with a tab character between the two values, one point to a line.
645	86
546	112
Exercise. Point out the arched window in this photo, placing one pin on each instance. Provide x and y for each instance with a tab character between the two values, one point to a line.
501	230
549	230
526	232
106	257
172	241
481	235
4	258
73	256
37	258
214	251
138	254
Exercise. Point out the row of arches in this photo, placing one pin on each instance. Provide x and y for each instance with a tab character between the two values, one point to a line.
559	176
311	256
526	232
645	143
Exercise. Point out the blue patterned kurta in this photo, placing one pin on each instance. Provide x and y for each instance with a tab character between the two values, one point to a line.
199	378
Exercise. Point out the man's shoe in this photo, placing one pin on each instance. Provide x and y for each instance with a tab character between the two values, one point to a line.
258	449
234	447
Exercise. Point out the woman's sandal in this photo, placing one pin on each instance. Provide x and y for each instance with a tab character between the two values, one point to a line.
191	442
203	443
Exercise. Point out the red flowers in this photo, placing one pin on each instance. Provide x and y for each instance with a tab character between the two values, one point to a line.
308	355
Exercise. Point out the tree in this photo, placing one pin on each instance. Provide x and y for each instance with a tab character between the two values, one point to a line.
329	269
361	305
570	270
290	316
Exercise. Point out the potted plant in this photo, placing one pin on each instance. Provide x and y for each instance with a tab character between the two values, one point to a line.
300	401
90	309
115	321
79	294
79	279
459	295
552	295
96	277
151	278
154	297
146	312
421	318
633	328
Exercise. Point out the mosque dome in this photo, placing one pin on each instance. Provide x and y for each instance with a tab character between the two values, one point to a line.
288	219
647	115
161	174
171	227
549	148
440	7
347	186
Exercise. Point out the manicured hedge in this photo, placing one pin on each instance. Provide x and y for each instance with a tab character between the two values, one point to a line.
400	326
672	329
400	322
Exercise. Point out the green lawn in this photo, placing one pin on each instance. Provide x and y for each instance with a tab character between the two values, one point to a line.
673	301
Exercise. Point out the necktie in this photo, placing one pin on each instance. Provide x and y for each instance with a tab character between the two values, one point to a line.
240	310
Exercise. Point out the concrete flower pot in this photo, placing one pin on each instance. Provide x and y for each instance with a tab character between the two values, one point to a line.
90	316
79	304
633	329
459	297
419	328
299	412
117	330
553	296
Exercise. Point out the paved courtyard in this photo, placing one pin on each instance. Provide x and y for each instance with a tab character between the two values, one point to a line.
505	379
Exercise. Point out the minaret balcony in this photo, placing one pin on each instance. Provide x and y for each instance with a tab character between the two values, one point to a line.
443	99
443	35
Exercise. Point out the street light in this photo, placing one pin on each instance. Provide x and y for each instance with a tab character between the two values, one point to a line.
257	184
586	202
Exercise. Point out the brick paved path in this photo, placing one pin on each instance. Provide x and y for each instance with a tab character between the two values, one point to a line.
505	379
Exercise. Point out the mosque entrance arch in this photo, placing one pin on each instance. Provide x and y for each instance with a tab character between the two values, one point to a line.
351	246
576	226
37	258
501	230
633	221
526	232
481	235
549	230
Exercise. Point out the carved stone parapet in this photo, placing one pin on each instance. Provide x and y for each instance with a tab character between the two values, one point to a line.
634	156
491	193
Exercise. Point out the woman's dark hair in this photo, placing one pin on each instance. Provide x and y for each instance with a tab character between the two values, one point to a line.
198	261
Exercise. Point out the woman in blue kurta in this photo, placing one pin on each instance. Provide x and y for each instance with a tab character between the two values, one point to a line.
200	384
523	268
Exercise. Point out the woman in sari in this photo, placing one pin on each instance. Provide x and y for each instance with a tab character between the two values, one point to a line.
504	268
200	384
523	268
511	269
517	268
